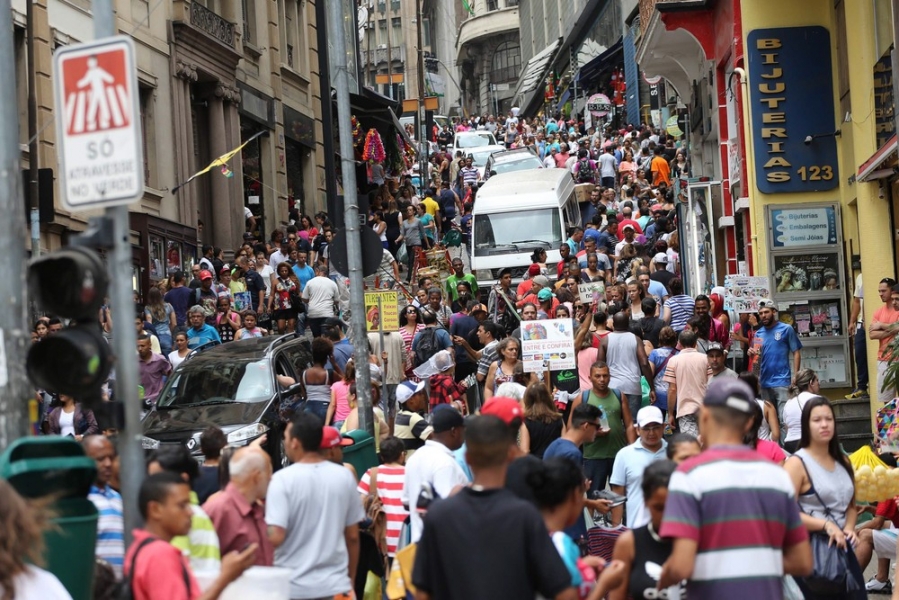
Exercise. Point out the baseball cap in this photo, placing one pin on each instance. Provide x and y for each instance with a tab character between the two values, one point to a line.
476	307
715	347
375	372
628	226
204	274
407	389
541	280
224	270
534	270
661	257
507	409
656	208
333	322
544	294
444	417
768	304
331	438
649	414
730	393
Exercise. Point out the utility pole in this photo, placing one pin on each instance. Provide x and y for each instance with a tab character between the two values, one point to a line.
324	82
389	55
125	338
423	177
341	81
15	390
33	160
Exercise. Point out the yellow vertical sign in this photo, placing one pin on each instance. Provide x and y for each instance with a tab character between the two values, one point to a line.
386	315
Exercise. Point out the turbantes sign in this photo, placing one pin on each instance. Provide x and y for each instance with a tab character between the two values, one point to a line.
98	124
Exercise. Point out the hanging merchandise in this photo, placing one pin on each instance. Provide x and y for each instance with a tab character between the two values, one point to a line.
358	137
374	147
408	152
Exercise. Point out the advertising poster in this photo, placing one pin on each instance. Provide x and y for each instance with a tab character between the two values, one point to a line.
807	272
387	315
743	293
595	291
547	344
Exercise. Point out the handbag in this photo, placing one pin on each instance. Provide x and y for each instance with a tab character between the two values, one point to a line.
831	565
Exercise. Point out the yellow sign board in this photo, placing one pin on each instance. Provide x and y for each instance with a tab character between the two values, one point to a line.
382	310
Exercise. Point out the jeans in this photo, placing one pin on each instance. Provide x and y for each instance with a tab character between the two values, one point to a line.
319	409
301	324
598	471
315	324
861	359
778	396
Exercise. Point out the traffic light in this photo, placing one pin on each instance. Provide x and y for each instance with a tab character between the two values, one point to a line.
70	283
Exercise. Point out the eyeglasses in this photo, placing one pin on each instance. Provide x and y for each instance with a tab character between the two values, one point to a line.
596	425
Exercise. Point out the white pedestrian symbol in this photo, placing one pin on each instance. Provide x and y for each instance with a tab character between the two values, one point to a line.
99	102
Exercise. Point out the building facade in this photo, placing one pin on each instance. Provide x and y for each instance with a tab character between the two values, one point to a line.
211	74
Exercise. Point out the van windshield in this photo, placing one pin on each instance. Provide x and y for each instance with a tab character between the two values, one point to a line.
518	231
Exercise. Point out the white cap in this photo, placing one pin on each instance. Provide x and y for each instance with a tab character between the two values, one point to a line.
407	389
661	257
648	415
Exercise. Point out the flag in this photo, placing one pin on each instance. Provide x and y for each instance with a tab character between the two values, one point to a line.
221	161
466	4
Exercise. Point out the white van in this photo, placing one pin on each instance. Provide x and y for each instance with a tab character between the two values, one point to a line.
516	213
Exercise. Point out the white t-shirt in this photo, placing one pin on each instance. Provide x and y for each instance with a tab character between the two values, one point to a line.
36	583
175	359
433	463
66	423
860	294
321	294
266	274
549	162
314	504
607	164
792	415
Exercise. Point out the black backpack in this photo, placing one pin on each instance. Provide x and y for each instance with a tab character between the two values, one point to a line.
427	346
585	171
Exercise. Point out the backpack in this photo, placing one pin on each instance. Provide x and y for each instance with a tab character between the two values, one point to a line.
426	347
585	171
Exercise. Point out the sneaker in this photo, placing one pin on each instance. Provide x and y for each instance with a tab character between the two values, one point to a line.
881	587
856	394
617	500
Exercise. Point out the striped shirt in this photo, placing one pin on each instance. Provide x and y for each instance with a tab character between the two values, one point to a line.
741	510
110	527
681	308
201	544
469	175
390	490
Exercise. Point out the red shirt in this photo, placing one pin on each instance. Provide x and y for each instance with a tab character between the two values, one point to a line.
238	524
888	510
159	572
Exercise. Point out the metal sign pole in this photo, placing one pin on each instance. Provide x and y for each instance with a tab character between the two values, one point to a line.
125	338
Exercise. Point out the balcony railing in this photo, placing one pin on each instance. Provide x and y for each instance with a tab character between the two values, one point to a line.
205	20
379	55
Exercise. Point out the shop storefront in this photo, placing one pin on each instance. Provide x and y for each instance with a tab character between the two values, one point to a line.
299	146
257	113
160	248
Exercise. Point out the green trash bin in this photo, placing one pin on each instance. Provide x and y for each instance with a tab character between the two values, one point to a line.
361	454
56	466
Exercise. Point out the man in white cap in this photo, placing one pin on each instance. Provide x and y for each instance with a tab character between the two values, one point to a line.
661	272
632	460
410	425
630	237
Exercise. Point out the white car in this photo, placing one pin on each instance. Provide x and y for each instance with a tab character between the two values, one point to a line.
468	141
480	155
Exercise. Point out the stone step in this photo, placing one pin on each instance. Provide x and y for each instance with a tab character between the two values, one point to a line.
853	441
854	425
858	407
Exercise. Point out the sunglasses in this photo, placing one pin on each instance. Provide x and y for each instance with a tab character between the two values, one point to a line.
411	312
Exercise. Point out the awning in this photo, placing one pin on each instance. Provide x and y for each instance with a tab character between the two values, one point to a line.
564	97
372	106
873	168
535	71
604	62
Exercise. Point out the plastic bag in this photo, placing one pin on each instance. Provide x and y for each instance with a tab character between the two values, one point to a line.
402	255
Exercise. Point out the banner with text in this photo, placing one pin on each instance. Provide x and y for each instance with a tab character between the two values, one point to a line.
547	344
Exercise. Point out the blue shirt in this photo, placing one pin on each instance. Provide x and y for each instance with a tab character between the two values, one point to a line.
778	341
198	337
304	275
343	352
657	291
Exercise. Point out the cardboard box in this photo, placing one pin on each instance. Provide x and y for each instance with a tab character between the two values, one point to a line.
583	191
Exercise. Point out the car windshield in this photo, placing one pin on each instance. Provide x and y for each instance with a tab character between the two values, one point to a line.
525	163
518	231
475	140
208	382
480	158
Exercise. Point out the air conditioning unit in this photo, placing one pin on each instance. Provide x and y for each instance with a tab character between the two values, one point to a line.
382	46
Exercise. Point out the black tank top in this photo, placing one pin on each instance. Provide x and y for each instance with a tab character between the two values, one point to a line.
649	556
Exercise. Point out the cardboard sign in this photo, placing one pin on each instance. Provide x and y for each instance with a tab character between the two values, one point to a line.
387	315
547	344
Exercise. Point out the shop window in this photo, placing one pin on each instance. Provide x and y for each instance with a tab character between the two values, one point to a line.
157	257
295	186
506	63
172	257
251	161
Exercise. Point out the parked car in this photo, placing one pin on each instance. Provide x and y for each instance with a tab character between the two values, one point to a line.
507	161
469	141
239	387
481	156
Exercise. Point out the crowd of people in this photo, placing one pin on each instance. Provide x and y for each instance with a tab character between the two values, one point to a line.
713	473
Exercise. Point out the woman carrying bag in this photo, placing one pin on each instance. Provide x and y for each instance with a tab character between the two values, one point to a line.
825	490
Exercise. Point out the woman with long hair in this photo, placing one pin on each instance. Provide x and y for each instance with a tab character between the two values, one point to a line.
339	406
639	547
177	356
825	488
635	294
70	419
673	253
805	387
285	289
21	548
412	234
161	315
586	347
410	325
769	427
394	220
541	418
538	257
593	272
509	351
627	263
308	226
627	167
317	380
379	225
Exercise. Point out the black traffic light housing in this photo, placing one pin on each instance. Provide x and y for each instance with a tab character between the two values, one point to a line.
70	283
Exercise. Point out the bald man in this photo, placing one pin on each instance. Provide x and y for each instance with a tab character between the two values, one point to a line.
111	525
236	512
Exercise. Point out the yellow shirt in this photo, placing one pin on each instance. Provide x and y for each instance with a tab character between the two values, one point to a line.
431	206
